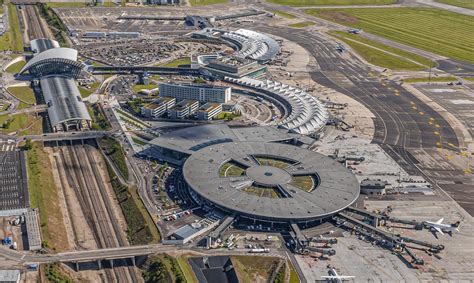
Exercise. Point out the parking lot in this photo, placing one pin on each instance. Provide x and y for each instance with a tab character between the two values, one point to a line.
13	179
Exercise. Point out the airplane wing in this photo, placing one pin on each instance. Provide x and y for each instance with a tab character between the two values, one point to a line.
438	230
440	221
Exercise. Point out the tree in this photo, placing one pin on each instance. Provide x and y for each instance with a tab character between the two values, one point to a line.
28	145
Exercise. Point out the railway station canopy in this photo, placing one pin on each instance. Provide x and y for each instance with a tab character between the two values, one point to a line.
54	61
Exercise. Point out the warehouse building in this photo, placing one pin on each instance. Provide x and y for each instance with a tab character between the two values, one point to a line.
199	92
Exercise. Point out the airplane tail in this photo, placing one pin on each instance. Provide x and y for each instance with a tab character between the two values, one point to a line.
456	225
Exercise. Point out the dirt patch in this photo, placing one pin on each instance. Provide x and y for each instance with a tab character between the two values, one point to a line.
339	17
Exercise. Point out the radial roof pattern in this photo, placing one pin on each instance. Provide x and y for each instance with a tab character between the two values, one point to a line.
307	113
336	186
68	54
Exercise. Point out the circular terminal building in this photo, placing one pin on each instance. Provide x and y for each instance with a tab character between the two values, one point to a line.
270	181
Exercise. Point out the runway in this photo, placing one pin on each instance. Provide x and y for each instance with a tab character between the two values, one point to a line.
401	120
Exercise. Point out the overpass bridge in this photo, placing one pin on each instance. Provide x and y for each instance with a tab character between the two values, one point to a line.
142	69
69	136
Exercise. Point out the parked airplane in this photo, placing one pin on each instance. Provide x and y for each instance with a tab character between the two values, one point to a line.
354	31
341	48
439	227
334	277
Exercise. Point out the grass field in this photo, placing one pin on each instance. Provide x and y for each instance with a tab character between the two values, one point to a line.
438	31
331	2
66	4
15	68
433	79
177	62
141	229
302	24
374	55
44	196
114	151
206	2
303	182
273	162
85	92
137	88
468	4
284	14
35	128
230	169
17	122
187	269
293	275
23	93
12	40
254	268
162	268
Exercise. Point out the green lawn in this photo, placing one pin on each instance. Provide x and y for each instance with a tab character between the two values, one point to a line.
231	169
302	24
283	14
433	79
177	62
331	2
23	93
468	4
187	269
114	151
373	55
13	123
66	4
44	195
206	2
293	275
16	67
137	88
85	92
303	182
438	31
5	105
12	39
252	268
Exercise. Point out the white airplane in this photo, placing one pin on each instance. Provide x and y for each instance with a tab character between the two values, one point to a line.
334	277
439	227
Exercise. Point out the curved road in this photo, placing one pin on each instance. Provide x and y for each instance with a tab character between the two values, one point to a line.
401	120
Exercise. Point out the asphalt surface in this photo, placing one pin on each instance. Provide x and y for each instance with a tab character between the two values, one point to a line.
400	120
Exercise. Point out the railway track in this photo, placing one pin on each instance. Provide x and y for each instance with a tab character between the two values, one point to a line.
36	28
83	175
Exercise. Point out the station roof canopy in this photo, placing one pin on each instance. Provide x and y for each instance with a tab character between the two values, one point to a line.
63	99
